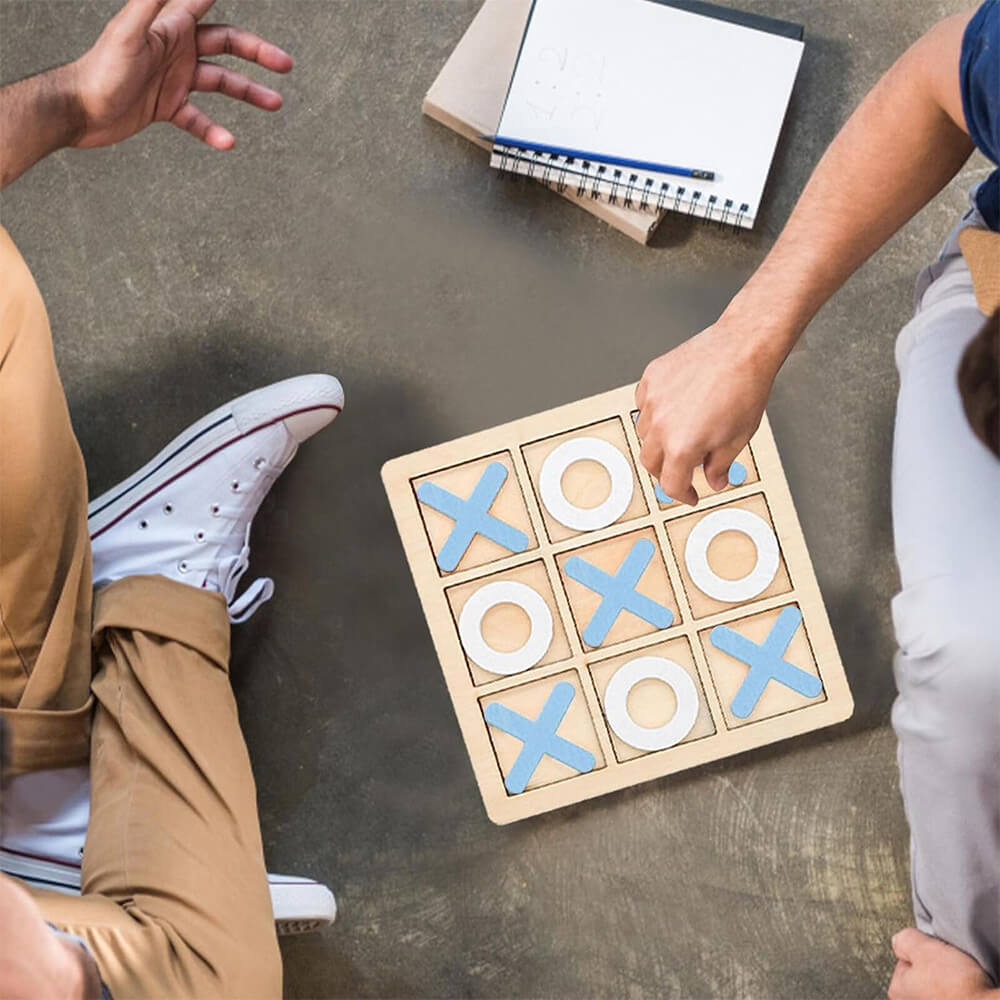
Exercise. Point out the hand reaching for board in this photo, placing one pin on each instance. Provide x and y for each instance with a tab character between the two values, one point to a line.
700	404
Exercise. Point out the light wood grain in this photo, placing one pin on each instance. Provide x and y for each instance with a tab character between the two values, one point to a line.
780	714
652	703
731	555
608	556
584	484
508	506
727	673
506	627
577	726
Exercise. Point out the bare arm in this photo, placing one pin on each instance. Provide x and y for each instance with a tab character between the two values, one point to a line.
906	140
37	116
144	67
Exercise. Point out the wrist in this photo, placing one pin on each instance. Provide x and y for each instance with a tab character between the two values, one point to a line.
761	334
61	104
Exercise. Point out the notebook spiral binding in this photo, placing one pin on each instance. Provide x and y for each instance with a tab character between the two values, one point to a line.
626	187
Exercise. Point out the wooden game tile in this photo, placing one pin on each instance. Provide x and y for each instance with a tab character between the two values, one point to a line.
722	566
763	665
542	732
647	703
508	626
743	472
584	480
484	494
618	589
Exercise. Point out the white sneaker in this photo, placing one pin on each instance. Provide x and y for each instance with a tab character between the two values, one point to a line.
44	826
186	514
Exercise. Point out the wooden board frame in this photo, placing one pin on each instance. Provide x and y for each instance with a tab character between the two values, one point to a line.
504	807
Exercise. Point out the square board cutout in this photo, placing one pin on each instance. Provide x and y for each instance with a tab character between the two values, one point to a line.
653	699
506	627
584	480
618	589
542	732
762	666
482	494
586	672
729	555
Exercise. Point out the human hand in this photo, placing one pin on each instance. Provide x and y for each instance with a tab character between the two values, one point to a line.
33	961
929	969
699	404
149	59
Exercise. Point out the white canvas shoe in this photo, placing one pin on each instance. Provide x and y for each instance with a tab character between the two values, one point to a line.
45	820
186	514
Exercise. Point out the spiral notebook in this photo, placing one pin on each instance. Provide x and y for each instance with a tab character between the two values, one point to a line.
606	92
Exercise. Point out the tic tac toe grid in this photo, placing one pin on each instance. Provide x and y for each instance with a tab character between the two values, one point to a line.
593	632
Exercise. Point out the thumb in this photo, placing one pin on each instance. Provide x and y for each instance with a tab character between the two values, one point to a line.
137	16
904	943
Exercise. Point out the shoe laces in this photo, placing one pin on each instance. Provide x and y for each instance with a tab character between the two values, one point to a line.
230	568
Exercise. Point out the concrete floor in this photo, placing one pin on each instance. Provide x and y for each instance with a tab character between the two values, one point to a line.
349	234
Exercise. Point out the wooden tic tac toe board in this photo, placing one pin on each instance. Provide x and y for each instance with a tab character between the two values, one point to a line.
594	633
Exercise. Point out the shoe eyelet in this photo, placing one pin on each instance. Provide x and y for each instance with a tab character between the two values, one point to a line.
144	524
199	536
235	486
216	509
258	463
168	508
183	566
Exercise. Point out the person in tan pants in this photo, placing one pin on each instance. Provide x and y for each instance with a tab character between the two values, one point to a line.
132	676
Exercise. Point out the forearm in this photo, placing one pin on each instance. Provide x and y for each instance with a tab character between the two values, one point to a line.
899	149
37	116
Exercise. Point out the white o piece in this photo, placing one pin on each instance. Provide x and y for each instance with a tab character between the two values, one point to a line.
578	450
470	627
746	523
645	737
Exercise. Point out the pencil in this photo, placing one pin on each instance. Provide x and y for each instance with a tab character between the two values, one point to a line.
599	158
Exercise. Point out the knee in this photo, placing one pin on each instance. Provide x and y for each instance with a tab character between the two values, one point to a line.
969	680
253	970
22	312
948	675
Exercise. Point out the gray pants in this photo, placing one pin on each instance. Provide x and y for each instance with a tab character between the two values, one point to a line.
946	520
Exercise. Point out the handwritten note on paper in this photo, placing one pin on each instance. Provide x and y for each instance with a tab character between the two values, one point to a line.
568	86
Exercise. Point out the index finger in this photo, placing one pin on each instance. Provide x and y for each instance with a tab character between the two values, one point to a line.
225	40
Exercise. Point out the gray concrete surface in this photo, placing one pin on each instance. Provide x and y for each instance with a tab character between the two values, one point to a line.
349	234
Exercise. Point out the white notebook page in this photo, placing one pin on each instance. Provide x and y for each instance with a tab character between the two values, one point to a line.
639	80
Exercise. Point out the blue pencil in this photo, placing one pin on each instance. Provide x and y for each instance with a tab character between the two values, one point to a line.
618	161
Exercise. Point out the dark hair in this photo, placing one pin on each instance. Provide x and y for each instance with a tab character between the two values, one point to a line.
979	383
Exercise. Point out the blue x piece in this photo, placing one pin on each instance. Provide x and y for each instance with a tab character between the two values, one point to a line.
472	517
737	477
539	737
766	662
619	592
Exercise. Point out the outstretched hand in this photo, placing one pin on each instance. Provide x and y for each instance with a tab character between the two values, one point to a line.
148	61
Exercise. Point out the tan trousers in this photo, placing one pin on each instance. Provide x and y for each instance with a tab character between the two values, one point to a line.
174	900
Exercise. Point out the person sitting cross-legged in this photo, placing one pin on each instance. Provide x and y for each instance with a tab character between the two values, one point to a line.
114	646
